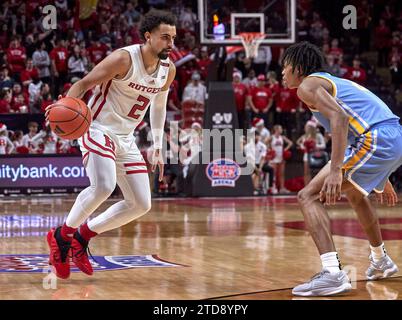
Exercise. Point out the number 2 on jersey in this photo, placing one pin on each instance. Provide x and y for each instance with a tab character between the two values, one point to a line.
139	106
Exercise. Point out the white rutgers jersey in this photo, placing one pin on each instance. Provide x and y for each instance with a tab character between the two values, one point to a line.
120	104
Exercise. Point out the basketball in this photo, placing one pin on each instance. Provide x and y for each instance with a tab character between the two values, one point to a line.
70	118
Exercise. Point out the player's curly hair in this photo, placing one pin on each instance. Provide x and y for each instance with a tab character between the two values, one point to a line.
304	56
154	18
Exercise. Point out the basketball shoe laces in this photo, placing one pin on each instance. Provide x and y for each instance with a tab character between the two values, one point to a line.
64	248
84	250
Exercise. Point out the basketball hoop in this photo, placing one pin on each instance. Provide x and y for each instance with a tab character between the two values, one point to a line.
251	42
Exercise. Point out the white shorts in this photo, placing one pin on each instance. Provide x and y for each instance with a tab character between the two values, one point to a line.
121	149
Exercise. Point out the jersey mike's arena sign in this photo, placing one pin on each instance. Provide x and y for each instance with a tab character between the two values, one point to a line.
223	172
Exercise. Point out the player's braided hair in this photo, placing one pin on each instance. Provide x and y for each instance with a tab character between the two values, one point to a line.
305	57
154	18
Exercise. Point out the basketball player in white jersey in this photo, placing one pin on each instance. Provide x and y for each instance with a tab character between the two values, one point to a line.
126	82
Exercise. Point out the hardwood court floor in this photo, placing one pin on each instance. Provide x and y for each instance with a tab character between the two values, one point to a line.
244	248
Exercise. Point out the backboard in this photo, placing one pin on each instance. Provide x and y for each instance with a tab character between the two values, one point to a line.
221	21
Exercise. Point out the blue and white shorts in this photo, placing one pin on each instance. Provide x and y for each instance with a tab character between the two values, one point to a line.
374	157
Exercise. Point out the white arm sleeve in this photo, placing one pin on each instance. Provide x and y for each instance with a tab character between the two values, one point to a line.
158	117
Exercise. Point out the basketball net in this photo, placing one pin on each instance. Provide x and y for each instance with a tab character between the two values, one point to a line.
251	42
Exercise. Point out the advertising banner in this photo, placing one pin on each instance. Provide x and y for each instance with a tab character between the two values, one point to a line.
42	174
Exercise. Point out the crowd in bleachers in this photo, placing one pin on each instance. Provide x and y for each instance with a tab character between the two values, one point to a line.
37	65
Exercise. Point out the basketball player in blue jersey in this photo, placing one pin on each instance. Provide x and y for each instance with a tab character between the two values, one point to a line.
366	149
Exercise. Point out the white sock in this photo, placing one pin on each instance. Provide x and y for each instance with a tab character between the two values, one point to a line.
378	252
331	262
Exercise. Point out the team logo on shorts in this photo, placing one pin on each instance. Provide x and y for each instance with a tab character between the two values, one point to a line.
223	172
37	263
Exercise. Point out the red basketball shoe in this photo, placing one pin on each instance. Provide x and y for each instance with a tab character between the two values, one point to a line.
79	249
58	257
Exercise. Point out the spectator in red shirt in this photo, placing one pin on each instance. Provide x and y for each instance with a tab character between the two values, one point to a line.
27	74
5	100
18	104
204	62
240	93
45	97
382	42
273	85
15	101
343	67
173	97
97	51
185	72
287	105
16	58
46	101
335	51
134	34
59	58
356	73
260	100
